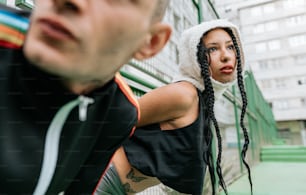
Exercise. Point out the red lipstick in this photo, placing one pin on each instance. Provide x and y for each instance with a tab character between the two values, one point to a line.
227	69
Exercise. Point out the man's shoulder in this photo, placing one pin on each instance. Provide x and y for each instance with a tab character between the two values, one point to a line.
13	26
126	90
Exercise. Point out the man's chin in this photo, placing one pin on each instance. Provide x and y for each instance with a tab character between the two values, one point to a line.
42	56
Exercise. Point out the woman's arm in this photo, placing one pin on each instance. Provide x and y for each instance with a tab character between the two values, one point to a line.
132	180
173	106
176	103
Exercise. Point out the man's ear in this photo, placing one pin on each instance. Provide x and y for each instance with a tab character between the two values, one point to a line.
158	38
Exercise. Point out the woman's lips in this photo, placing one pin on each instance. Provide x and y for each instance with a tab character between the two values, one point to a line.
227	69
55	30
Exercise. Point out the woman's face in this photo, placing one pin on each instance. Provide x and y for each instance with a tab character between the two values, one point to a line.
221	55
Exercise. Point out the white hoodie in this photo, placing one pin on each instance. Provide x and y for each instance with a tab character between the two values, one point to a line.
189	68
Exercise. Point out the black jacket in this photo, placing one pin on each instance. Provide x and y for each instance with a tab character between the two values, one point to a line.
29	100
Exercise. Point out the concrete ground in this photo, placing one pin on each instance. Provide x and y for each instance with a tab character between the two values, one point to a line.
273	178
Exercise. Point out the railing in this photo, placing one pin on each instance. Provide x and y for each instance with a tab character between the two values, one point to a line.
283	153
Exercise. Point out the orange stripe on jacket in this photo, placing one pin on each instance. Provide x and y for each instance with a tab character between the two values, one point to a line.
8	45
10	35
11	31
129	94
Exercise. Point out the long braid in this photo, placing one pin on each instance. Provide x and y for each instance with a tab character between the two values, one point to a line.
201	56
244	106
208	140
210	100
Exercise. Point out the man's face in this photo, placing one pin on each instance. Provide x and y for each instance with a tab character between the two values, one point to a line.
85	40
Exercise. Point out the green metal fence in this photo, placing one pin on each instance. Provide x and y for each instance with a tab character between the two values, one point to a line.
260	120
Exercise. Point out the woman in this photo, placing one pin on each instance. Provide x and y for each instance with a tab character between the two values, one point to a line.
172	143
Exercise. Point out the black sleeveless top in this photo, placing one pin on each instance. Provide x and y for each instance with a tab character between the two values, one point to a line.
176	157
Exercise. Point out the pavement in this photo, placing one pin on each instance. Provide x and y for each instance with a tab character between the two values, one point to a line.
273	178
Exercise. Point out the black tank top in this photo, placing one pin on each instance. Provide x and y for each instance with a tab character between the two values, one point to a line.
176	157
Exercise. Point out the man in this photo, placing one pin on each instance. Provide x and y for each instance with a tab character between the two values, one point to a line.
63	108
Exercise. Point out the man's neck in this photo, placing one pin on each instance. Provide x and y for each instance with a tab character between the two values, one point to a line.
83	87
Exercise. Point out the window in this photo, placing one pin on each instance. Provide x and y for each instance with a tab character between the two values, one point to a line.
259	28
263	65
271	26
256	11
289	4
268	64
300	60
260	47
296	20
265	27
284	133
269	8
280	83
297	40
294	41
281	104
295	103
266	84
276	63
274	45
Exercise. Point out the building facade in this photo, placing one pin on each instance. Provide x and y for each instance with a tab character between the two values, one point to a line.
274	33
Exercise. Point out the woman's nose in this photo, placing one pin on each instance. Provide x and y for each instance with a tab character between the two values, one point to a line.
225	55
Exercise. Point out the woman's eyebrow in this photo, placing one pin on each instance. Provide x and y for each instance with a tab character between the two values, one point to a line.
216	43
212	43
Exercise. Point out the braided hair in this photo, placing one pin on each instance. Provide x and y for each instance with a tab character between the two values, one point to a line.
244	105
209	100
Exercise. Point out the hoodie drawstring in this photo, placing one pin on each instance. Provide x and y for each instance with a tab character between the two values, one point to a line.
53	139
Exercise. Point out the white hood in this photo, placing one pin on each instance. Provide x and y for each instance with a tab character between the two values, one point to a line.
189	68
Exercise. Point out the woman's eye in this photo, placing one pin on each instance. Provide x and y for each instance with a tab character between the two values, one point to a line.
211	50
231	47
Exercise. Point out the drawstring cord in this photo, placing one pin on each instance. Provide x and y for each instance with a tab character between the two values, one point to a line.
53	139
84	102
